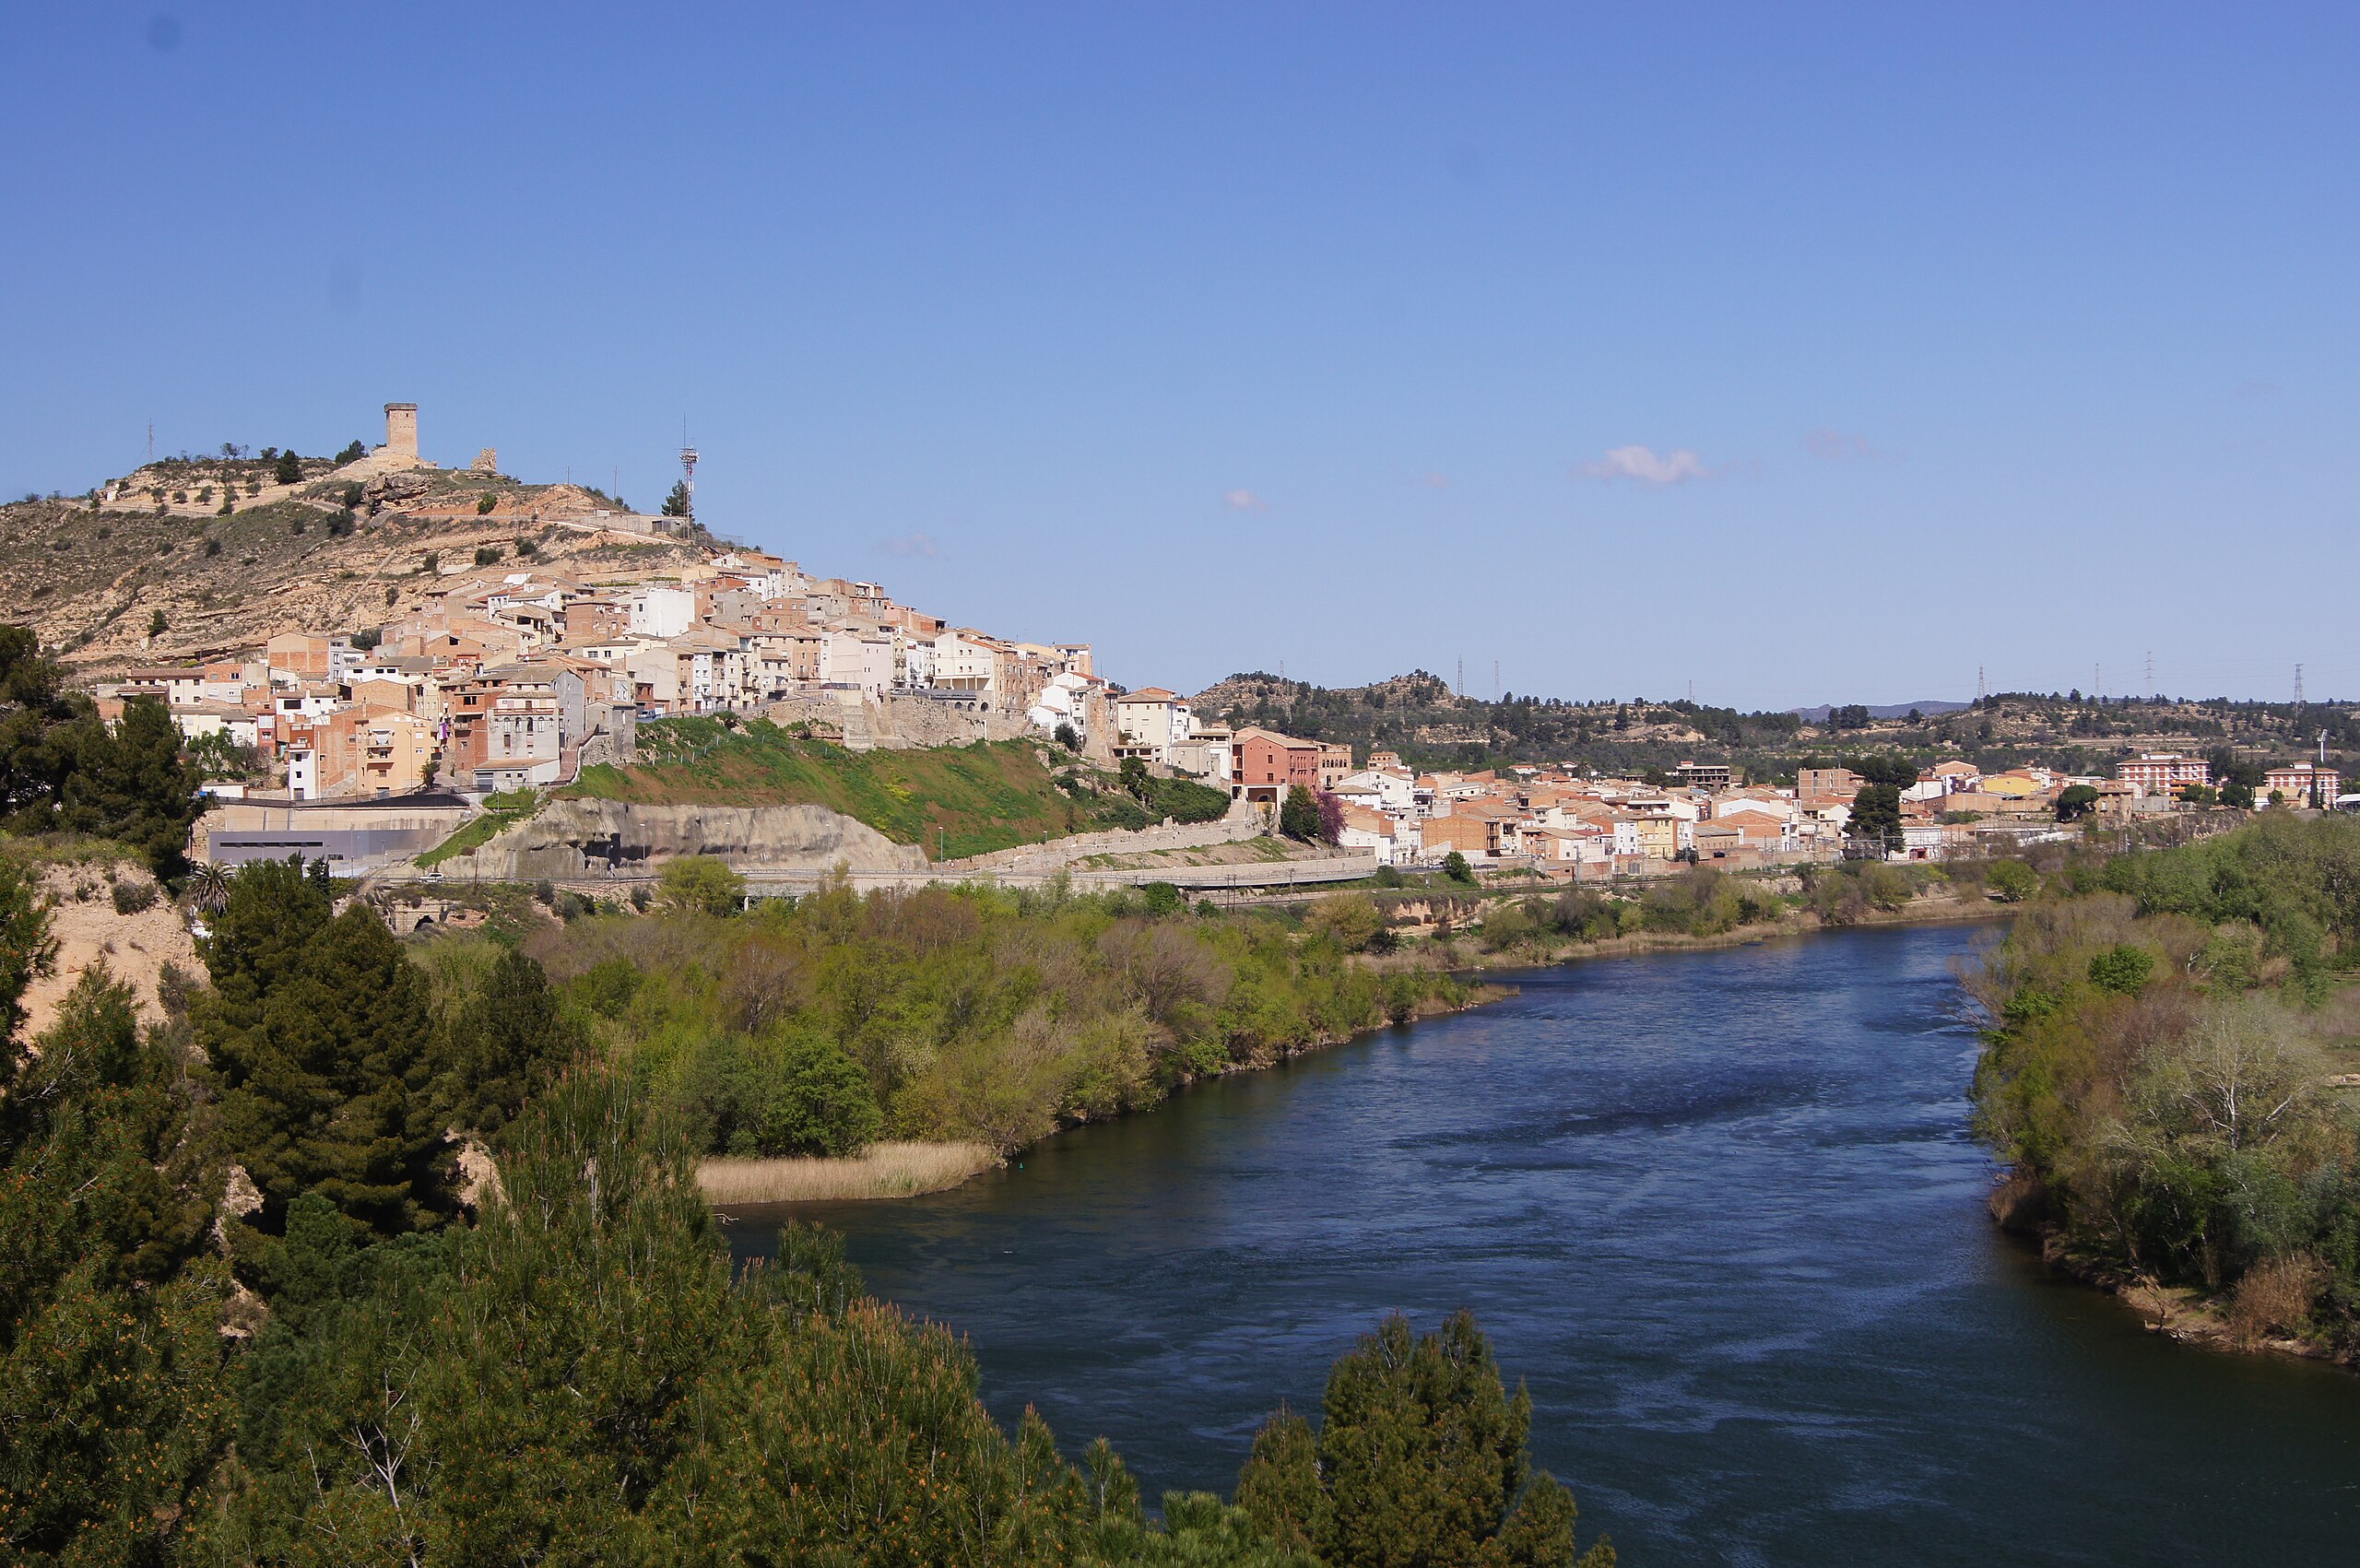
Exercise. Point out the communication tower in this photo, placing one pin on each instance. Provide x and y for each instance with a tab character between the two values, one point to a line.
688	471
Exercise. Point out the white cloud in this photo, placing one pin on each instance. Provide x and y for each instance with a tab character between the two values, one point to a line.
911	544
1835	445
1645	466
1243	500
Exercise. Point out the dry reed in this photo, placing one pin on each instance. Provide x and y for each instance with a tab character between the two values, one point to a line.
883	1170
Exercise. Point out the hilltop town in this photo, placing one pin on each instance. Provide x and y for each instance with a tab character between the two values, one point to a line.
373	630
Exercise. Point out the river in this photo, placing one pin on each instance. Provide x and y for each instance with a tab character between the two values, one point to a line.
1719	1210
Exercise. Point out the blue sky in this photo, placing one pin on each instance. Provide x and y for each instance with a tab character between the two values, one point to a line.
1802	353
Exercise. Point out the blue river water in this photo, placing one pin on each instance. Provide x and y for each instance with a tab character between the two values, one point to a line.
1719	1210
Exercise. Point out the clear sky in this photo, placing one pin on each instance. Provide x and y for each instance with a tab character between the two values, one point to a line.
1802	353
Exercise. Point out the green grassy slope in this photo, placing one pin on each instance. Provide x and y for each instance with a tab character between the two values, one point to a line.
950	800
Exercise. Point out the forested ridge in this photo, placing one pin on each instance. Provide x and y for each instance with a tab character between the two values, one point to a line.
2165	1074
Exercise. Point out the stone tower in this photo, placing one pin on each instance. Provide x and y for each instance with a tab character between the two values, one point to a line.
401	430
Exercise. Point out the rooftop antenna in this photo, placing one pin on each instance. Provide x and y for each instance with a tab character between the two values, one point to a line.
688	471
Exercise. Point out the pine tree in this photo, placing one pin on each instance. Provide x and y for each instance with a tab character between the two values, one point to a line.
1299	815
113	1408
507	1043
133	787
1418	1463
321	1032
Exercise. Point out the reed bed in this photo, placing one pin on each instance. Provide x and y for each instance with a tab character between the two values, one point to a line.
883	1170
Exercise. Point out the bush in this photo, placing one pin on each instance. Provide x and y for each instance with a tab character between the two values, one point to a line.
2123	969
1454	866
131	897
1351	919
1162	898
486	554
609	985
701	883
1387	877
2012	880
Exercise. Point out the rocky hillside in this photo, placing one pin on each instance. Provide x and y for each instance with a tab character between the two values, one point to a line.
341	548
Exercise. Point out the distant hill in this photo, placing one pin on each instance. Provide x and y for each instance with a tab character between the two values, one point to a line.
1883	710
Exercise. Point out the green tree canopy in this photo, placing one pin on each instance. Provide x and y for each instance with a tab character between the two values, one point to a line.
1299	815
701	882
113	1407
1876	817
1420	1459
2075	802
507	1043
319	1033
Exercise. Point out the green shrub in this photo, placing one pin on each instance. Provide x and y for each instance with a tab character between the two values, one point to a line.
2012	880
2123	969
701	882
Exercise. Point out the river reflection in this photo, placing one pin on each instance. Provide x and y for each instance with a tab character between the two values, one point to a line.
1720	1210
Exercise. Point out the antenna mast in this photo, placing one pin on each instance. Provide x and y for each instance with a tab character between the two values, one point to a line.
688	473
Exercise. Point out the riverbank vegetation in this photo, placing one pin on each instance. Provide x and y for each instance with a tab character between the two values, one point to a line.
1451	927
2171	1039
355	1258
815	1026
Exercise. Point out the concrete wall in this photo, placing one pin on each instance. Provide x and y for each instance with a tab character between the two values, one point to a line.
1047	857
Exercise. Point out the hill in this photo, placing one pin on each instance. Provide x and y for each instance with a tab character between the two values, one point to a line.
1930	708
1418	716
343	549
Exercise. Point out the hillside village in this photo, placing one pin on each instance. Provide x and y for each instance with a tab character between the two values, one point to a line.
375	631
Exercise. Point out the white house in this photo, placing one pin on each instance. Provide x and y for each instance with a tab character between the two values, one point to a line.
662	612
1150	723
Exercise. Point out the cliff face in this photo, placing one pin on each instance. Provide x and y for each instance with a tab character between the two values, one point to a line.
578	837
